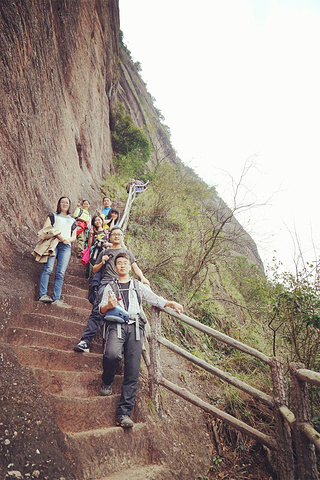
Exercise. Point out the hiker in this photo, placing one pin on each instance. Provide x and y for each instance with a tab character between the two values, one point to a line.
128	186
98	239
112	219
139	185
104	267
83	218
56	236
107	204
126	336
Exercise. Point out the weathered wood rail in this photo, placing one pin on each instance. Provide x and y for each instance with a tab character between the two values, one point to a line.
281	442
125	217
288	423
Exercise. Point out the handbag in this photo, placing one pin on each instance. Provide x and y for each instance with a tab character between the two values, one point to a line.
85	256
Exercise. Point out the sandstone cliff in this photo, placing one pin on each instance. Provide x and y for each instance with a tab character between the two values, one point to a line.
58	61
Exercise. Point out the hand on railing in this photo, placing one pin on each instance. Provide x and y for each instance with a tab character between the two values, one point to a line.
178	308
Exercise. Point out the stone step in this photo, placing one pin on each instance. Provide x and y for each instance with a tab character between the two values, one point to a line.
103	452
83	414
45	338
75	280
74	384
52	359
37	338
75	290
50	324
67	313
149	472
74	301
76	268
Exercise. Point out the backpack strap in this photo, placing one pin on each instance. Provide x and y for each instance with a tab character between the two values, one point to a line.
80	213
52	217
115	288
136	286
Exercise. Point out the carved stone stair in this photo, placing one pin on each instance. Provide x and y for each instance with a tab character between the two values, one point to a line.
43	341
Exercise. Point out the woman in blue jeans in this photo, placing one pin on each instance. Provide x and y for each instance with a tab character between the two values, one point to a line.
66	225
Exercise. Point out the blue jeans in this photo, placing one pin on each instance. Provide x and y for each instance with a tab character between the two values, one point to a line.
62	254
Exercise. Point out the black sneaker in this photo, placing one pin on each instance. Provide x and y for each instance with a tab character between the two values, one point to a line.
124	421
82	346
105	390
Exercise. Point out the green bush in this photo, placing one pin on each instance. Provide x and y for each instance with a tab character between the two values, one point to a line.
130	144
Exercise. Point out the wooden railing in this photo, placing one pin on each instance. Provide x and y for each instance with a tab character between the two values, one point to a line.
125	217
298	422
280	443
307	439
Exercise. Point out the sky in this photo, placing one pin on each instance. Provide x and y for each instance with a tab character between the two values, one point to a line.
238	82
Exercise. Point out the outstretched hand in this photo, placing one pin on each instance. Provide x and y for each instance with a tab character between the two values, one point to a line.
177	307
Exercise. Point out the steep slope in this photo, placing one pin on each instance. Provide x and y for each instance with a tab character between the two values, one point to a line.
132	92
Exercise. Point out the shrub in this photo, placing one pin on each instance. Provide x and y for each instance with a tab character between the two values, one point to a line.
130	144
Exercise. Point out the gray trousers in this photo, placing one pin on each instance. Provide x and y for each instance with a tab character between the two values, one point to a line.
112	354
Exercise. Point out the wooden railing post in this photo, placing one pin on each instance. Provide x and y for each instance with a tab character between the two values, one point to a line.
155	372
284	454
307	460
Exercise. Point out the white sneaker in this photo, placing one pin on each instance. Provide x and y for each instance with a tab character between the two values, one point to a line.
60	303
45	299
81	347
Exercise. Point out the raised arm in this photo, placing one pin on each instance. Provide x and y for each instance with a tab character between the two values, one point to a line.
139	273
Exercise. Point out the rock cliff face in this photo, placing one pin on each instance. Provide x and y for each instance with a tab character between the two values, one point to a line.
58	61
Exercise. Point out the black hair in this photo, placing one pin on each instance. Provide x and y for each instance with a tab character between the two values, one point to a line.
59	206
94	218
113	210
85	201
106	197
115	228
122	255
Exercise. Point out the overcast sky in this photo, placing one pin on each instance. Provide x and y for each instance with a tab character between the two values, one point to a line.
238	82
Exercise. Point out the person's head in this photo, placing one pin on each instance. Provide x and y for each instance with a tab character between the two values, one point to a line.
85	204
116	235
97	221
64	205
106	202
114	214
122	264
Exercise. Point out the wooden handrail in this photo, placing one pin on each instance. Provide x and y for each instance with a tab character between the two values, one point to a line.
220	336
287	415
263	397
125	217
266	440
308	376
312	434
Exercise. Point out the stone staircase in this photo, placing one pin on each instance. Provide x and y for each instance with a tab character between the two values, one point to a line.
43	341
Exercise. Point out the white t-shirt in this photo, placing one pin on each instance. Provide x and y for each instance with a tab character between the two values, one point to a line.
64	224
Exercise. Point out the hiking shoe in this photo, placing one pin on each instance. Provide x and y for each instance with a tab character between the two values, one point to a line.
60	303
82	346
124	421
105	390
45	299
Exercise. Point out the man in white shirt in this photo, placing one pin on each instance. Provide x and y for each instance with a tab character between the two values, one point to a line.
127	336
